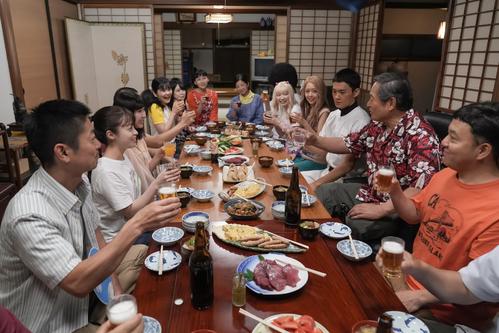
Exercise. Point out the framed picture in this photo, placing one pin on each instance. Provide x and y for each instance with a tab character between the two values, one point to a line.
186	17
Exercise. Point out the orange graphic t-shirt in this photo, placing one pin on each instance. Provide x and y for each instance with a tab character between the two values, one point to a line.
459	223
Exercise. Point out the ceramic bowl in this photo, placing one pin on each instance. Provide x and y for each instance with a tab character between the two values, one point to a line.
205	154
363	249
259	209
168	235
308	200
190	219
200	140
308	229
201	129
365	326
202	195
278	208
286	171
266	161
192	149
185	171
184	197
280	192
202	169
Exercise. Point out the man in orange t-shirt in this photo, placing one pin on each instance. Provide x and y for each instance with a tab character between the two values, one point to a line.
458	210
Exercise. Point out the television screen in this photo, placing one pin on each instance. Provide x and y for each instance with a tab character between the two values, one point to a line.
263	67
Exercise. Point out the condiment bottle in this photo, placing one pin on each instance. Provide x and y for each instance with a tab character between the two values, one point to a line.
201	271
292	210
385	323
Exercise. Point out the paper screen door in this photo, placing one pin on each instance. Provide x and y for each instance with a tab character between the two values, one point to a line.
104	57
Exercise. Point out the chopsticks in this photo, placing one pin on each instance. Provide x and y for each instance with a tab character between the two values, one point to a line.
261	321
260	182
241	197
310	270
352	245
289	240
160	261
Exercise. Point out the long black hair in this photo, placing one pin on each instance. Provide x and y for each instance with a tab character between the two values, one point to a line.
174	82
110	118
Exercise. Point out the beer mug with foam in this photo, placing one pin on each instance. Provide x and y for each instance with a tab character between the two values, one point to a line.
384	177
393	252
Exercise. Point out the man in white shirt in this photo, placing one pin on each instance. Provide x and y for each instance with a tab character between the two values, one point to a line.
51	223
347	118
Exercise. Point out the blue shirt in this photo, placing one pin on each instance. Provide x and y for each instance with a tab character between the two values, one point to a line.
250	113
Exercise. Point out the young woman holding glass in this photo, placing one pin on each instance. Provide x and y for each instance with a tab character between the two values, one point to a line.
202	100
246	106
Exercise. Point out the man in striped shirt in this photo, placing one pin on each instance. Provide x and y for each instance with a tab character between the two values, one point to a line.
48	227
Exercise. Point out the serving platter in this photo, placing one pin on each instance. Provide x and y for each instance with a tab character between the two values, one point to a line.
218	230
249	264
261	328
229	194
225	174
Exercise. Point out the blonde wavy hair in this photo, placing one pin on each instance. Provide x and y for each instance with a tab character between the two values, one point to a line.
311	112
283	86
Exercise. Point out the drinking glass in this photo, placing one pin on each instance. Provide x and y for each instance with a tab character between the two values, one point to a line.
121	308
384	177
393	252
167	190
238	290
169	149
299	138
254	147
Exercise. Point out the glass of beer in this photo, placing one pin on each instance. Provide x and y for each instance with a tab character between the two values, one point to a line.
121	308
167	190
384	178
169	149
393	252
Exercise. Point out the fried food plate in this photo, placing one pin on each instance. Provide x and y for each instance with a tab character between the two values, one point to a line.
250	263
260	328
235	234
247	189
233	178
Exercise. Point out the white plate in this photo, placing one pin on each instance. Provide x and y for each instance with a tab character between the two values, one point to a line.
407	323
260	328
225	172
228	157
168	235
263	127
202	195
192	149
363	250
285	163
310	202
247	183
274	145
171	259
151	325
250	263
234	151
202	169
335	230
201	129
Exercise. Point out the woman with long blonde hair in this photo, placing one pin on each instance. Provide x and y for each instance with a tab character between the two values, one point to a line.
314	114
282	107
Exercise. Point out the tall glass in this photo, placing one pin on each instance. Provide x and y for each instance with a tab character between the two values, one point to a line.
299	138
238	290
384	178
393	252
167	190
121	308
169	149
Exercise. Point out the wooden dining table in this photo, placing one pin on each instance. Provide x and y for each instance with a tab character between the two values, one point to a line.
350	292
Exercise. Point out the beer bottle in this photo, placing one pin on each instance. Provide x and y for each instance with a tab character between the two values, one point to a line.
385	322
201	271
292	210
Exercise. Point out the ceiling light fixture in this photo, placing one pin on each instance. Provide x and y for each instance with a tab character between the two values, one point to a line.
218	17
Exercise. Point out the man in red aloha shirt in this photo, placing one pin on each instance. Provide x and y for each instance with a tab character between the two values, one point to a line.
396	136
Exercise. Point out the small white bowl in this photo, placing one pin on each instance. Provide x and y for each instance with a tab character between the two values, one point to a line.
205	154
202	195
311	200
286	171
278	208
363	249
168	235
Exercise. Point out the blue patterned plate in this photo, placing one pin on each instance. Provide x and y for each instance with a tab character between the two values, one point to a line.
202	195
192	149
171	259
407	323
201	129
168	235
335	230
202	169
308	200
363	250
104	291
262	127
250	263
151	325
285	163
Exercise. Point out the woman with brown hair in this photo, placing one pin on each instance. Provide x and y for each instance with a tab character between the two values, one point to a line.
314	114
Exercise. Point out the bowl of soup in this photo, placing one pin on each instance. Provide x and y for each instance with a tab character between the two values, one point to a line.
280	192
266	161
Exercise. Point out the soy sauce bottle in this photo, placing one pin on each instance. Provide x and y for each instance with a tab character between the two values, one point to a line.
201	271
292	210
385	323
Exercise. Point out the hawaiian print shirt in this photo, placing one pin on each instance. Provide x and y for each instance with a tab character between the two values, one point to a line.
412	148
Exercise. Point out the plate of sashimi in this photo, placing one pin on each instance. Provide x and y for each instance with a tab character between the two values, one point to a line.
291	322
273	274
